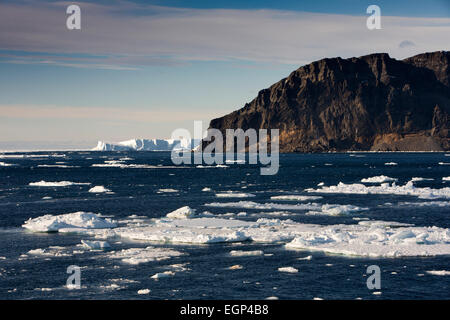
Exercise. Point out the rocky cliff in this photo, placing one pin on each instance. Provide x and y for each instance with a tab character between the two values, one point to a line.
372	102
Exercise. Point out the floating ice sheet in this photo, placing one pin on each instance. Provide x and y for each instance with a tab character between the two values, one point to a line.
386	188
76	221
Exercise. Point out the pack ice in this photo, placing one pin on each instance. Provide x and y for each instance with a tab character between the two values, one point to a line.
77	221
367	238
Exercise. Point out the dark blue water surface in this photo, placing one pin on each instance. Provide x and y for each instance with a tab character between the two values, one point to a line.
208	277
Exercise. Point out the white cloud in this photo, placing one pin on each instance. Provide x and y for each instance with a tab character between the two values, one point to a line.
160	35
102	113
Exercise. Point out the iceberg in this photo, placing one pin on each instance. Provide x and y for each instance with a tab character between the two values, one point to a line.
148	145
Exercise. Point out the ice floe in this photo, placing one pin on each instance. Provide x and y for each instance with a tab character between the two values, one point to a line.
336	210
61	166
445	178
43	183
99	189
439	272
169	190
233	194
375	240
378	179
143	291
68	222
242	253
182	213
391	164
144	255
294	197
386	188
288	269
96	245
264	206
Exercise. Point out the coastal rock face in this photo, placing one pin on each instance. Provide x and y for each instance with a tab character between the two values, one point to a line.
371	103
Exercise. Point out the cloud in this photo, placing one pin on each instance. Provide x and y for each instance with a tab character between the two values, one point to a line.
118	115
406	43
124	35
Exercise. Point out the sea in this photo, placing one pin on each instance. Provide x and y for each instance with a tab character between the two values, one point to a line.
141	188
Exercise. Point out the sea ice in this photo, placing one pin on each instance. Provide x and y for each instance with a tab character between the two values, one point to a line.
232	194
378	179
439	272
43	183
288	269
143	291
182	213
144	255
99	189
77	221
242	253
294	197
96	245
264	206
386	188
164	274
167	190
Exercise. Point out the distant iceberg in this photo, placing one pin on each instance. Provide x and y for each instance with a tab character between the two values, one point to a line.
148	145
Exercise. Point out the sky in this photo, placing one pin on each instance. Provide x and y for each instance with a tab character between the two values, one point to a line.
141	69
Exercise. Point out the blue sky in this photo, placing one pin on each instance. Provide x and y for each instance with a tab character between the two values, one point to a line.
140	69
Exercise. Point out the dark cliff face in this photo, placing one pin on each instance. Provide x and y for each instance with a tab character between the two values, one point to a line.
369	103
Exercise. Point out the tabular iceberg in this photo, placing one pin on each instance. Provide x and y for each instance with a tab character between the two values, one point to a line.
148	145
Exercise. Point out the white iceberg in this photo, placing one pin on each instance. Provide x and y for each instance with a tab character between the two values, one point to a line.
337	210
439	272
143	291
169	190
148	145
164	274
263	206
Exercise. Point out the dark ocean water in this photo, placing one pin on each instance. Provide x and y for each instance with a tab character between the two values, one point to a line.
135	193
